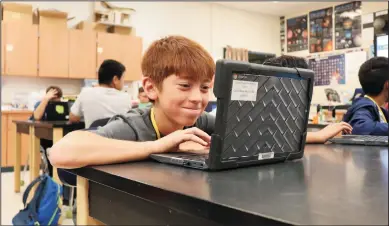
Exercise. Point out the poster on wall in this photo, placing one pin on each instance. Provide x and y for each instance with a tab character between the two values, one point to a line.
282	34
348	25
297	34
320	34
329	71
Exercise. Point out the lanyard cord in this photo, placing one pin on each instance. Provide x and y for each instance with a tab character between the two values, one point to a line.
379	108
152	116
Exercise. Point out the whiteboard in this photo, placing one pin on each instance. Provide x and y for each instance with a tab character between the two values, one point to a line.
353	62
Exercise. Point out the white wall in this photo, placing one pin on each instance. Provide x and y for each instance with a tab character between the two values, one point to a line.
14	85
212	25
368	8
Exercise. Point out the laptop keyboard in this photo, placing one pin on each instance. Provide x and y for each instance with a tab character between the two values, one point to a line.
199	157
370	138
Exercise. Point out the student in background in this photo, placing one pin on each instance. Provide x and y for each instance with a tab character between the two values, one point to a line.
53	93
105	100
144	101
329	131
367	115
178	76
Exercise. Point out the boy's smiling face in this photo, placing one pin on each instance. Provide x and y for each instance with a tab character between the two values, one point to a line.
181	99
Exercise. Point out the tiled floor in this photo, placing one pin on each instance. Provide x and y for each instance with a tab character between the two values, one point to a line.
11	202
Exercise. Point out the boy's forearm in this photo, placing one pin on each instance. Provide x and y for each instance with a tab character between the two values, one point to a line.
82	148
313	137
40	110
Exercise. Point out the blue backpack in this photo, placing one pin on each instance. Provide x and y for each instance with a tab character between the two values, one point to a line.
45	206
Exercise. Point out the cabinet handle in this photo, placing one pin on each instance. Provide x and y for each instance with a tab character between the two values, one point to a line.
9	47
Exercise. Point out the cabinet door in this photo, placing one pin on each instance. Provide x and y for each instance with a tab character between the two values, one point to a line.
2	47
53	51
11	137
21	49
131	56
82	54
3	140
108	47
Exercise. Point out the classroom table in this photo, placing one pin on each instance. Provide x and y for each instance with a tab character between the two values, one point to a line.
331	184
50	130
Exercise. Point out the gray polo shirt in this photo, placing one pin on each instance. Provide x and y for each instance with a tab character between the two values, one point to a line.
136	126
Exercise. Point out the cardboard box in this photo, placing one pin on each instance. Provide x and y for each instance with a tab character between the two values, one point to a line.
122	18
51	17
17	12
122	30
104	17
91	26
107	12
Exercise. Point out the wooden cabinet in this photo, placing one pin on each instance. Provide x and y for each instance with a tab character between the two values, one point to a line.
131	57
3	140
82	54
108	47
2	48
123	48
53	51
8	136
49	50
20	49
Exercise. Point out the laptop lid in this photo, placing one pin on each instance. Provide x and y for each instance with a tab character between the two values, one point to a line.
57	111
262	113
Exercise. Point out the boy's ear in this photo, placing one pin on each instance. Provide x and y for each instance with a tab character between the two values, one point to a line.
150	88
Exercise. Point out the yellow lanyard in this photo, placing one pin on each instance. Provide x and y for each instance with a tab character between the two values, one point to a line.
382	116
154	123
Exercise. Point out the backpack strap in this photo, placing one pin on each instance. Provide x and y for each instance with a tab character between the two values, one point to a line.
30	186
33	205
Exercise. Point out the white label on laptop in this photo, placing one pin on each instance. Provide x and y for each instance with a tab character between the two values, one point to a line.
244	90
262	156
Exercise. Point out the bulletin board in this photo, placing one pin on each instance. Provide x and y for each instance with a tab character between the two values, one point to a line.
329	70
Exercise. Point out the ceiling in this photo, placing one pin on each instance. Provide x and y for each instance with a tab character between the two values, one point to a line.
277	8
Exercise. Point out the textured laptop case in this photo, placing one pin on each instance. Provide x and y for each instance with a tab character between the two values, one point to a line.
262	114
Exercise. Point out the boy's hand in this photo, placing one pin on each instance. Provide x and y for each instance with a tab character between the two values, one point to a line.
173	140
332	130
193	147
51	94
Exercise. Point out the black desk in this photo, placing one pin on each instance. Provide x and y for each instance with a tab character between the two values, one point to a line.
332	184
50	130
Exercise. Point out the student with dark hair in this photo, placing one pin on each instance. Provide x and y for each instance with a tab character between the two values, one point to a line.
287	61
367	115
105	100
53	93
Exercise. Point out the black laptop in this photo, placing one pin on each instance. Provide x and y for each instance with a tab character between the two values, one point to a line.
361	140
262	116
57	111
